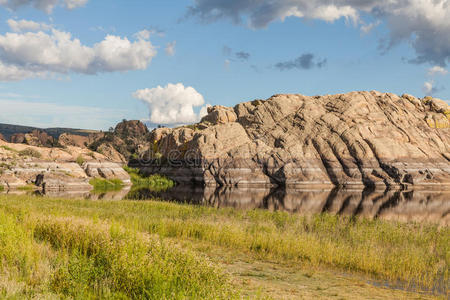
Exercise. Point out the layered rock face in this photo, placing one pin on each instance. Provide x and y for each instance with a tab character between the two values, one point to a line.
359	139
54	169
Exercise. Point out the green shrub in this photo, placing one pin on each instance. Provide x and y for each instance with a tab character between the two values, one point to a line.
30	152
154	182
2	188
80	160
106	185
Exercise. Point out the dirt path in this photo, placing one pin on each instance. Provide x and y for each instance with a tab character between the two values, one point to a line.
264	279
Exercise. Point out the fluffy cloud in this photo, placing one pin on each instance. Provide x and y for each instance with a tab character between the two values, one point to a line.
304	62
424	23
170	48
437	70
43	54
172	104
25	25
44	5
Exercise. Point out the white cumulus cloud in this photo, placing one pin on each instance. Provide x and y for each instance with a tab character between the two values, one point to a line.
43	54
26	25
172	104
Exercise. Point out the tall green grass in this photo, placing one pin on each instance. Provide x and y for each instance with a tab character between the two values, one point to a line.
95	260
416	254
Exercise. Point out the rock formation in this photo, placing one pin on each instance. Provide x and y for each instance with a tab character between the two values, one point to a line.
55	169
359	139
2	138
129	139
34	138
67	139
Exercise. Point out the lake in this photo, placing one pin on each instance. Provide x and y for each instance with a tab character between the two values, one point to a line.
405	206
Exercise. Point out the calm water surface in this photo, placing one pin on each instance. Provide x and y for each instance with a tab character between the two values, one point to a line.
418	206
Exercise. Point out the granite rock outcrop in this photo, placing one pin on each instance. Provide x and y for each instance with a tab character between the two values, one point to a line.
129	139
54	169
353	140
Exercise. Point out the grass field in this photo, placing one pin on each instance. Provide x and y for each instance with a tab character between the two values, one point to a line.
124	249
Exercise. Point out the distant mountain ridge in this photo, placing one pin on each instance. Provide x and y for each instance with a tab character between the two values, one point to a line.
7	130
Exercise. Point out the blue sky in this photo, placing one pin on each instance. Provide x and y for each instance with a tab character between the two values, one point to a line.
222	52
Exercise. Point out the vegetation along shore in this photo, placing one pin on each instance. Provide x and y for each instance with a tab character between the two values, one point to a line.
136	249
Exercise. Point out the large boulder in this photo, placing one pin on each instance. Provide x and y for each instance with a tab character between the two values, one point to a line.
132	128
219	114
436	105
359	139
67	139
106	170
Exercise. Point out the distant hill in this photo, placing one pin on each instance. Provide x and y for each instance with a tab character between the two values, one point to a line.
8	130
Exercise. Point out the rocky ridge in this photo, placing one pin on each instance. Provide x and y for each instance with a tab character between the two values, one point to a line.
54	169
358	139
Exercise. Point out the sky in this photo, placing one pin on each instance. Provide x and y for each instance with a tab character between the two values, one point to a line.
91	63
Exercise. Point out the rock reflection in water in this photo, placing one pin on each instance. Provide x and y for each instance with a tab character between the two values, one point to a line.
419	206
